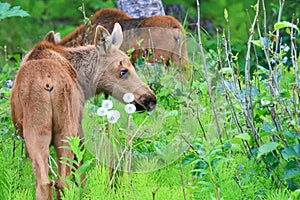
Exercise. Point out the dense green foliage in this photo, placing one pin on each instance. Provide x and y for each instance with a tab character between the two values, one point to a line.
232	131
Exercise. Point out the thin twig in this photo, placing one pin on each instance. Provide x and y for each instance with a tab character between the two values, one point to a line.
206	75
181	176
85	24
133	190
124	151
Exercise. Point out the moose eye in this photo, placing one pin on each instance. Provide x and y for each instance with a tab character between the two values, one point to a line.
123	74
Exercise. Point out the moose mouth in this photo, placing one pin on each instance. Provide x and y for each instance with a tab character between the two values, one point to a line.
146	106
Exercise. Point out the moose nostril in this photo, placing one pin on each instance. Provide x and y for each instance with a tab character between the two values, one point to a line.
151	106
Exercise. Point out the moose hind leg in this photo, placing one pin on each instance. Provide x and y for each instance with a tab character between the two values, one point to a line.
37	143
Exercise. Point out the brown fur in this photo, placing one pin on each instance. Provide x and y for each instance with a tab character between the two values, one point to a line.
167	38
51	87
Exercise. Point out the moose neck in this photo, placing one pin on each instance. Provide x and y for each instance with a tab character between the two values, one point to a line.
87	64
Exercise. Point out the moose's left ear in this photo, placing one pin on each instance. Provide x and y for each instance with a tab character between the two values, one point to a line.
117	35
52	37
102	40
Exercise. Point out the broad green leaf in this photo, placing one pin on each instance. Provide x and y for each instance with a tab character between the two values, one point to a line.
297	149
257	43
226	70
291	170
267	148
187	160
285	24
6	11
288	152
244	136
291	135
267	129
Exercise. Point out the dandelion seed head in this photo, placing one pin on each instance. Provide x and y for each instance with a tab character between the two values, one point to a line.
102	111
108	104
113	116
128	97
130	108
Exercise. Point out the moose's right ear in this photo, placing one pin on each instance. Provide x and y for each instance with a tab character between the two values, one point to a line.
102	40
52	37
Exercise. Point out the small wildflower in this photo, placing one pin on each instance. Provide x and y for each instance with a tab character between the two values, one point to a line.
9	83
285	47
108	104
284	59
102	111
130	108
272	61
113	116
265	102
128	97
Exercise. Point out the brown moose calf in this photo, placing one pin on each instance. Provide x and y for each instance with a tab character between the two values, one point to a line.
51	87
162	35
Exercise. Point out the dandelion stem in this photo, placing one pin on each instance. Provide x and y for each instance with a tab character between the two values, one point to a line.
123	153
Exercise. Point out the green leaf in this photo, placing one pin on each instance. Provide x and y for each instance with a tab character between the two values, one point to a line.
291	173
285	24
226	70
84	166
297	149
6	11
187	159
288	152
69	165
267	148
226	14
291	135
257	43
207	184
244	136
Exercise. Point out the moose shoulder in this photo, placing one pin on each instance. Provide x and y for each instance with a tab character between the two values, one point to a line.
51	87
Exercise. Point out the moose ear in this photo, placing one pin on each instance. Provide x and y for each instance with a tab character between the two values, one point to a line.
52	37
102	40
57	38
117	35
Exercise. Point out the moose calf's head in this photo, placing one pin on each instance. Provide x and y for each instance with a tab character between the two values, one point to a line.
119	76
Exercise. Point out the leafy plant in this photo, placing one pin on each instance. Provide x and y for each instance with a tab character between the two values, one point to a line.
77	186
6	11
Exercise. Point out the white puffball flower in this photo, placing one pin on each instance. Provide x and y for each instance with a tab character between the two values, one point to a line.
113	116
102	111
130	108
108	104
128	97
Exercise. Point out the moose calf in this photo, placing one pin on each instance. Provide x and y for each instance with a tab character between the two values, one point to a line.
51	88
